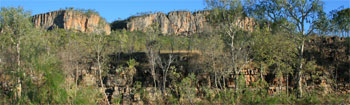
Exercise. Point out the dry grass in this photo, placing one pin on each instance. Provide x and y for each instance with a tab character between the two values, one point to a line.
181	51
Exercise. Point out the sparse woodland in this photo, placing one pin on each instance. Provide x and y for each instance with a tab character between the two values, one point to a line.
295	54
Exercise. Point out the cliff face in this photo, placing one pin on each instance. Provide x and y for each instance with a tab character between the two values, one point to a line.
74	20
178	22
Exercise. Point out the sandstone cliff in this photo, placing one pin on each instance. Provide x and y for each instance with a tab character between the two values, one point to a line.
176	22
69	19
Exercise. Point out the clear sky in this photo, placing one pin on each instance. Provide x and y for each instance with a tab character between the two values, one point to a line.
114	9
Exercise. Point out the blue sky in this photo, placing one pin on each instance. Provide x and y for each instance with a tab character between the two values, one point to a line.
114	9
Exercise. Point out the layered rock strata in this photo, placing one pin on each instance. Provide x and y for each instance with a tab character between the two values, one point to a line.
178	22
74	20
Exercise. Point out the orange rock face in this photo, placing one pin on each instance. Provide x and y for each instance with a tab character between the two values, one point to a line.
179	22
74	20
176	22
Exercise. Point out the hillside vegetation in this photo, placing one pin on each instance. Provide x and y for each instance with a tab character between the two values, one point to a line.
277	60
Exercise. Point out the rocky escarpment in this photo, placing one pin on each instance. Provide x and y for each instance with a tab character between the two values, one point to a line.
176	22
69	19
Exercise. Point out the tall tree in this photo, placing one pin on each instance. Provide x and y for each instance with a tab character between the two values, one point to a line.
152	54
301	14
230	16
98	42
14	24
341	21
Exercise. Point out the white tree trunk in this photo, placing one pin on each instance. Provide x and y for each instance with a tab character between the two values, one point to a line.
300	84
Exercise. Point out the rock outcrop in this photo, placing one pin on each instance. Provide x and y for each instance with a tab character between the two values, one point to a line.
176	23
69	19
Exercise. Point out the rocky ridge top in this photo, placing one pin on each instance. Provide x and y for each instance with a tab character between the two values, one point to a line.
176	23
70	19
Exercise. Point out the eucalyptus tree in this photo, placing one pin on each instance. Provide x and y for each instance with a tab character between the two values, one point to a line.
341	21
14	25
323	24
97	45
296	17
152	47
230	16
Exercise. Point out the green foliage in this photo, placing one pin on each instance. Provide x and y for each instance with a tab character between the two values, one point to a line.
138	85
14	21
87	96
87	12
188	90
14	26
52	90
50	58
118	100
124	41
224	11
132	63
227	97
341	20
274	51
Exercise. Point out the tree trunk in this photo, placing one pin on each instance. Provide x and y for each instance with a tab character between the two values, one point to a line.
287	89
76	75
214	69
261	72
154	76
164	79
19	81
209	81
281	84
18	54
154	79
99	69
348	35
219	82
215	79
99	49
100	77
233	61
76	79
336	78
153	63
223	80
236	81
299	72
